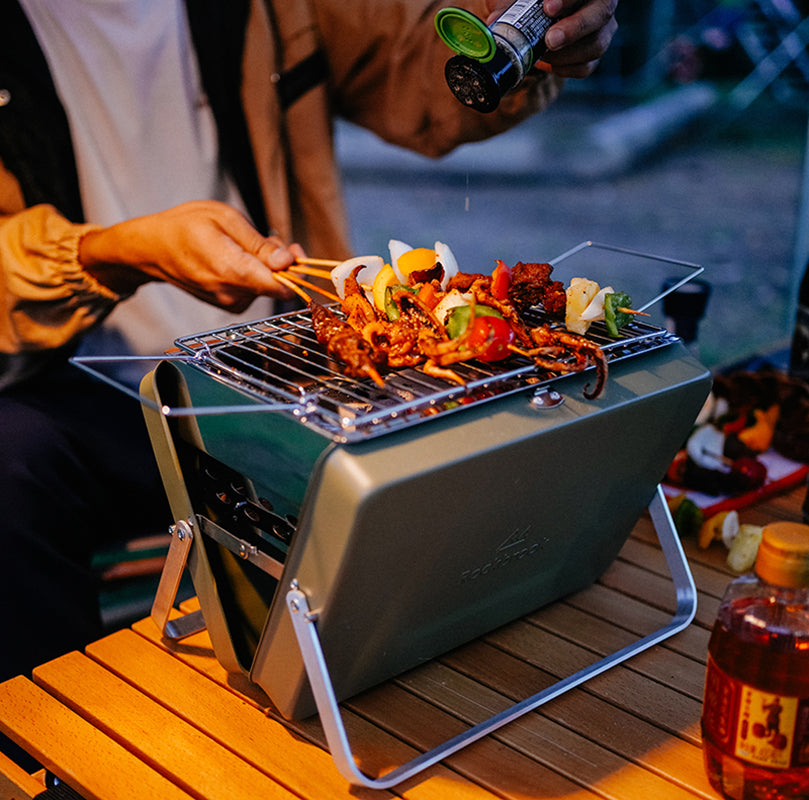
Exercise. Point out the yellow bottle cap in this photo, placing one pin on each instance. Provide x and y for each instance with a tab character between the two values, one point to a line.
783	555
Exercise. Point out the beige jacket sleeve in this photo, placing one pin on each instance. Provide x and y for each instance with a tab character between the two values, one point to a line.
47	298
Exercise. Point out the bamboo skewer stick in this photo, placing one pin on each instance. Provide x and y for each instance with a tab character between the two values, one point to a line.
305	270
317	262
290	284
296	283
313	286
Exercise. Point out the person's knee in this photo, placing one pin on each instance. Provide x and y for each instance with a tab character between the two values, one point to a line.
30	440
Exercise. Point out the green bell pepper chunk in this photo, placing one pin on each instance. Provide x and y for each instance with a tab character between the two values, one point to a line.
458	319
614	319
391	309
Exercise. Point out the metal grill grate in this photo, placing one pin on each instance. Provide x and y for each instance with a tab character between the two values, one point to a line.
279	365
279	361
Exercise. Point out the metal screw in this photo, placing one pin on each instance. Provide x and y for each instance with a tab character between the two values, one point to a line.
182	530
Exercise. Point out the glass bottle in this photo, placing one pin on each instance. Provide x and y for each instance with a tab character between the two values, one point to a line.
494	59
755	720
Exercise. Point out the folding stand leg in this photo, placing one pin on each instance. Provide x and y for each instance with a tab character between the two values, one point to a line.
305	623
182	537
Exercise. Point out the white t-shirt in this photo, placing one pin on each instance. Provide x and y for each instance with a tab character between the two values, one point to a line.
144	139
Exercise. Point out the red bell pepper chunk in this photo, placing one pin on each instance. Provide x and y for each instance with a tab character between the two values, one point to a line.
501	280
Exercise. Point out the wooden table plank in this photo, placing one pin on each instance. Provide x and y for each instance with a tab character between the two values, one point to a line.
16	783
612	606
493	762
232	721
75	750
594	634
646	698
377	750
614	728
541	739
184	754
647	586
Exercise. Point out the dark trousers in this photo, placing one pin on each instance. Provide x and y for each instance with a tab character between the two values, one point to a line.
76	471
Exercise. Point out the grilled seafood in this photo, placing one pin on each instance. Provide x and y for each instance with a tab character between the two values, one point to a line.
436	320
346	345
560	351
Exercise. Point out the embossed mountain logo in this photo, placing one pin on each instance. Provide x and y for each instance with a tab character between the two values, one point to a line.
517	539
515	547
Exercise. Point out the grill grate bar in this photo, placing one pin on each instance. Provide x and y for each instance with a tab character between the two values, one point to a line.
279	360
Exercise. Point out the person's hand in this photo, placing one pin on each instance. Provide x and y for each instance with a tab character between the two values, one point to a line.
578	39
207	248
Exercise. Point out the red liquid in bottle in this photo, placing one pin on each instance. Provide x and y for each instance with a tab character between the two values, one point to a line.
756	719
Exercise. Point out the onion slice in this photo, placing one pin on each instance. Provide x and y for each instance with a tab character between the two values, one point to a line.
372	265
595	308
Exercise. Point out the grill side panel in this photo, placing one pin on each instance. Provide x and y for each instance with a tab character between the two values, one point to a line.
418	542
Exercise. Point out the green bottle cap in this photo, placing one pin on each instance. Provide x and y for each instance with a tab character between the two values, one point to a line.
465	34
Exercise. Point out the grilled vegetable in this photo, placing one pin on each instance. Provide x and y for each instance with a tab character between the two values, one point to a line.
391	309
613	318
686	515
722	526
490	337
501	281
384	278
579	294
744	549
459	317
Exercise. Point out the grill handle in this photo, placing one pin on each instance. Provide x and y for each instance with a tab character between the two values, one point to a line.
305	624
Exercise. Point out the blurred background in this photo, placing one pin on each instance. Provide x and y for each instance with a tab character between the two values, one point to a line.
688	143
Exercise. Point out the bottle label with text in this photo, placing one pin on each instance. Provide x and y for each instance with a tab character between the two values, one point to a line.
762	728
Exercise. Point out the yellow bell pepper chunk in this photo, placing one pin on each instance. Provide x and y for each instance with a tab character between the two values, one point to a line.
758	437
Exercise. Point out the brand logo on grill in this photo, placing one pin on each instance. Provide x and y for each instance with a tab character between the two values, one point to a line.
515	548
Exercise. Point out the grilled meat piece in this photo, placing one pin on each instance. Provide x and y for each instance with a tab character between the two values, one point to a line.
346	345
531	284
463	280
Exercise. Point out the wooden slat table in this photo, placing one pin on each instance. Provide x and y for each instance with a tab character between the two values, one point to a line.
135	717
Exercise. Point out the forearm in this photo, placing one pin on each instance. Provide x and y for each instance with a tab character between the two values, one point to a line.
204	247
48	298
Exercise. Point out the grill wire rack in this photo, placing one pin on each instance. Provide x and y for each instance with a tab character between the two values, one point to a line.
279	365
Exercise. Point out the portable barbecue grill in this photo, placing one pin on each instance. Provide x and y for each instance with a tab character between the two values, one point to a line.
338	533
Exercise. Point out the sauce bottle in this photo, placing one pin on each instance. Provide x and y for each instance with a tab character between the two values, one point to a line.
493	59
755	720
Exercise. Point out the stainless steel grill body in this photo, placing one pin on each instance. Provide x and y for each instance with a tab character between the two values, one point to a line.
412	542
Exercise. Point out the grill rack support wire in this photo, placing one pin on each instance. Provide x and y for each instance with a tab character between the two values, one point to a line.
304	621
696	269
305	405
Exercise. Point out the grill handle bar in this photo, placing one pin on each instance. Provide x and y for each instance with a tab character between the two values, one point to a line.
305	624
